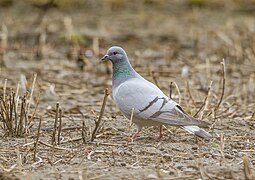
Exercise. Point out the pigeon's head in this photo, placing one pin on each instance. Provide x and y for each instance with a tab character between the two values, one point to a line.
115	54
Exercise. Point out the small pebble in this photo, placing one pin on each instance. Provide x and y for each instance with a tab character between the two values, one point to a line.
123	164
152	176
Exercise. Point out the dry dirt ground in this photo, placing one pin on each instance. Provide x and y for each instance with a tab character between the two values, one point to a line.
167	41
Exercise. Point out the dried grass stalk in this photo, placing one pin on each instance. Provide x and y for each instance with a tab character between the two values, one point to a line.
222	146
178	91
106	94
223	84
14	122
83	132
247	169
53	140
60	125
37	138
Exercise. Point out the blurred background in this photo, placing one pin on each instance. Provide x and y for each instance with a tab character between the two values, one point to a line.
160	25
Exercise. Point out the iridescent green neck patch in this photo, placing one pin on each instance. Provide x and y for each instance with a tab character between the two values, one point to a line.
121	70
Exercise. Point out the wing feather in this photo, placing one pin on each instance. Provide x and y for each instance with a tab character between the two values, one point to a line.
151	103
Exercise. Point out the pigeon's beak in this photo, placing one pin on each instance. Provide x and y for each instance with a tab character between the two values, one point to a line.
106	57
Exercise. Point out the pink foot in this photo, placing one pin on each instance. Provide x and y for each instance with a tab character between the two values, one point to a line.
160	132
136	135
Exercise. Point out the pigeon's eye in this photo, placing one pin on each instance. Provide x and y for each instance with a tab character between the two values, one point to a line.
114	53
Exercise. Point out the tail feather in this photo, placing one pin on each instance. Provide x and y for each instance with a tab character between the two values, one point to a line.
197	131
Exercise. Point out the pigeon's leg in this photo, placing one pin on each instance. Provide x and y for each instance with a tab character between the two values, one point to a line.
139	128
160	131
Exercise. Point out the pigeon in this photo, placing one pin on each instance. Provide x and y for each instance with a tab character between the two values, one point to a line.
150	106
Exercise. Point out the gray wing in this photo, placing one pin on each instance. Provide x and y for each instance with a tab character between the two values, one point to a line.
149	102
176	116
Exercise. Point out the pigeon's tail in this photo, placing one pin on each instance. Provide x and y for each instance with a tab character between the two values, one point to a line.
197	131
